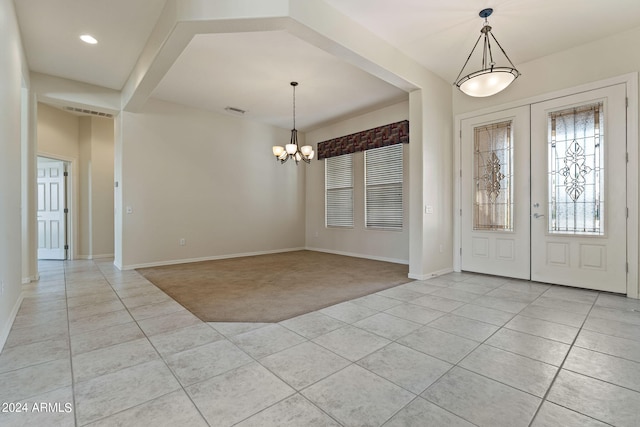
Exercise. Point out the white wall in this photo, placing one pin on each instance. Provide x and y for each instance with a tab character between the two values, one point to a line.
96	145
432	182
85	239
29	183
206	177
12	74
58	132
357	241
102	158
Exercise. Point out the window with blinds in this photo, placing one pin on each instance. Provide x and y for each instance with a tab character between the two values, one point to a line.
383	187
339	191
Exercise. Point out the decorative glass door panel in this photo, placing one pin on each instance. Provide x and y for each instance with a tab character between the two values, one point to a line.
576	170
492	165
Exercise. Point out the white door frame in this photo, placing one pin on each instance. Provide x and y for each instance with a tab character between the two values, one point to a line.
72	200
52	209
631	82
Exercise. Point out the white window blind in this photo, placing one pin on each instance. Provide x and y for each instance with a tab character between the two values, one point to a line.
339	191
383	187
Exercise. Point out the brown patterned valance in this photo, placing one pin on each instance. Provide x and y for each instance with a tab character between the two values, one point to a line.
394	133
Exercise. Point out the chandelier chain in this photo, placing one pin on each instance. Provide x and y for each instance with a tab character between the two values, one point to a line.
293	150
469	57
502	49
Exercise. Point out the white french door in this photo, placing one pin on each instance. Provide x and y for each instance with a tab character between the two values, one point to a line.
578	190
495	193
543	191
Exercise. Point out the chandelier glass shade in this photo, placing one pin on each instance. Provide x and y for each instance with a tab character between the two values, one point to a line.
293	149
490	79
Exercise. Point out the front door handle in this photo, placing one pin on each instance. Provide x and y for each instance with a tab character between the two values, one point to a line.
537	215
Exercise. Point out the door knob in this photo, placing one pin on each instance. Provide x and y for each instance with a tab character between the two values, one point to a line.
537	215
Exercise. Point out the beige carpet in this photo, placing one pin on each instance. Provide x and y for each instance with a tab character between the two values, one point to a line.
271	288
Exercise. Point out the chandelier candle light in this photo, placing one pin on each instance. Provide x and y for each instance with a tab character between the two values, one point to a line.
292	149
490	79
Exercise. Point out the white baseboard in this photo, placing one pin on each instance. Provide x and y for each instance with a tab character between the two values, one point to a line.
27	280
431	275
103	256
211	258
12	317
372	257
100	256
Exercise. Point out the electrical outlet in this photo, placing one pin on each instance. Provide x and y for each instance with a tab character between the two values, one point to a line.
183	242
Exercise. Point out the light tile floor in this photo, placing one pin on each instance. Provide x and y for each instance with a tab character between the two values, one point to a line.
92	345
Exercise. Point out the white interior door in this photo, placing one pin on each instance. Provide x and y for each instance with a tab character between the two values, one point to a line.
51	210
578	190
495	193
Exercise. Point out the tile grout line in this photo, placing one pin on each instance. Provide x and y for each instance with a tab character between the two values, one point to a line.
150	343
159	356
299	392
453	365
394	341
255	360
553	381
351	363
73	383
228	338
69	344
457	364
526	333
182	387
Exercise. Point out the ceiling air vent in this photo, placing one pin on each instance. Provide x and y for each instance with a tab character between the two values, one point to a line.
90	112
235	110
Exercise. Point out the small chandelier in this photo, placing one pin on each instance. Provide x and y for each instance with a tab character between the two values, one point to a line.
490	79
292	149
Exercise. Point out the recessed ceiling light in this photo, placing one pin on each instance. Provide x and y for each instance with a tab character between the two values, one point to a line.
88	39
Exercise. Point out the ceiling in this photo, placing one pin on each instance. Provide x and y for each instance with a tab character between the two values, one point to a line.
252	70
259	79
